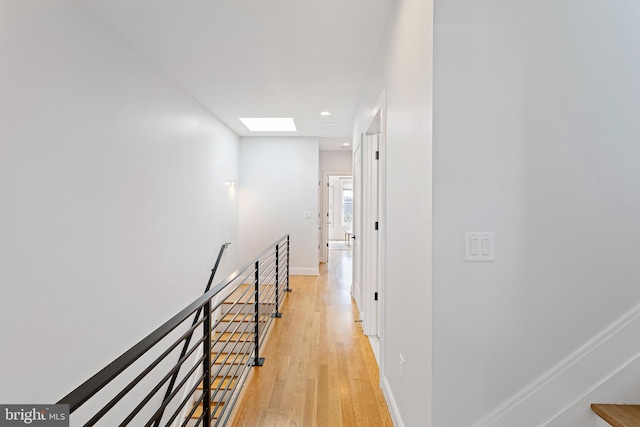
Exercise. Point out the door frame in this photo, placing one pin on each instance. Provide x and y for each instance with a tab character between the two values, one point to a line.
369	235
381	111
357	270
373	314
324	215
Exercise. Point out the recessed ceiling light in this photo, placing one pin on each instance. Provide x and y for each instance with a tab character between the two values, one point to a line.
331	123
269	124
346	144
325	113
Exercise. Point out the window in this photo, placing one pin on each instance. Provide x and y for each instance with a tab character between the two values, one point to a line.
347	207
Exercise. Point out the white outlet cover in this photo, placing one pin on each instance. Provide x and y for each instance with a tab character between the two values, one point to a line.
479	246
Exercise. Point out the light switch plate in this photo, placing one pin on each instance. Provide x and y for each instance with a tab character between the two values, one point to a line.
307	215
479	246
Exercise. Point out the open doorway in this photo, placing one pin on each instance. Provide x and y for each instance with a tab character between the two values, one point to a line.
335	219
340	212
337	227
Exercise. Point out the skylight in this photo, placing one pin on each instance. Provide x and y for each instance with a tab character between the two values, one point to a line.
269	124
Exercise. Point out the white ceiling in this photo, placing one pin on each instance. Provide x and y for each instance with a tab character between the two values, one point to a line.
327	144
259	58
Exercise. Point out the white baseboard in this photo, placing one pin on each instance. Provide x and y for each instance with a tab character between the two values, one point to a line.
304	271
391	403
577	375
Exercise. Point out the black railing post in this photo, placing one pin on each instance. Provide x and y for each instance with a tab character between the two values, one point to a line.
206	386
185	347
257	360
277	313
288	257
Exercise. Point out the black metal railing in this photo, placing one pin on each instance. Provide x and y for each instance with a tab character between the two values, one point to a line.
185	346
201	363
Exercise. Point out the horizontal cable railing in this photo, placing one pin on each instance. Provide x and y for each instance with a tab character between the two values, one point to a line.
185	347
190	370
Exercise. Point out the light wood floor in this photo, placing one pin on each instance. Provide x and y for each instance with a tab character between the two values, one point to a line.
319	368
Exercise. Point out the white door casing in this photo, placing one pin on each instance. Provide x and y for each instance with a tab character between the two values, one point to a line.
356	287
370	226
324	215
322	228
369	208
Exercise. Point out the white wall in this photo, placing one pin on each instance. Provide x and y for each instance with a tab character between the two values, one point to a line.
336	161
113	198
278	184
535	120
403	71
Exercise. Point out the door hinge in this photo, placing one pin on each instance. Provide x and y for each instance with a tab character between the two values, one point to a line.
376	225
327	184
377	155
375	296
327	245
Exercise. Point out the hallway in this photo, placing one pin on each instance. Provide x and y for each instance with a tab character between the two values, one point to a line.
319	368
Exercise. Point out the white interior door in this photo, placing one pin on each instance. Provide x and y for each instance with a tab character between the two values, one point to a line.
375	225
370	235
367	254
322	232
356	290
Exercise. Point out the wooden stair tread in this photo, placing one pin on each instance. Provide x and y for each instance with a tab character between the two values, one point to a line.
221	382
233	336
219	359
198	412
618	415
248	302
248	317
238	293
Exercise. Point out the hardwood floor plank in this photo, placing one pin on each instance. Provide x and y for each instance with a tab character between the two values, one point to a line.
310	406
319	367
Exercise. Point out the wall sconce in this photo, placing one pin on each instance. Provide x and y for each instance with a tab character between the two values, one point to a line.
232	184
